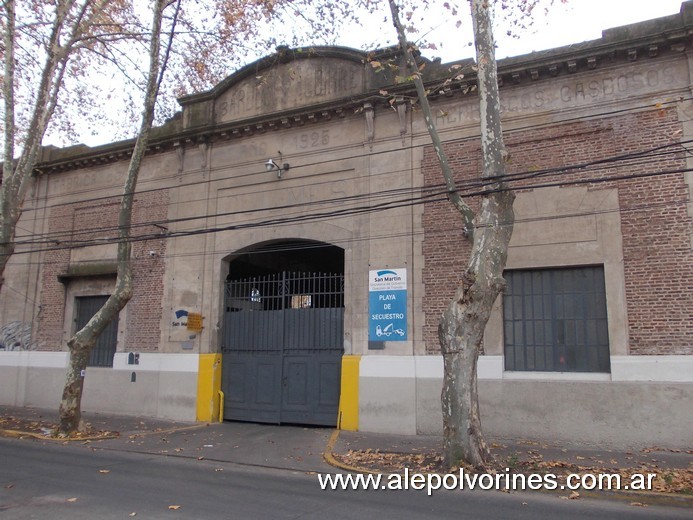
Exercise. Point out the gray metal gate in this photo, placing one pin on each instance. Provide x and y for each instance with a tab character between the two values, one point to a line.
283	342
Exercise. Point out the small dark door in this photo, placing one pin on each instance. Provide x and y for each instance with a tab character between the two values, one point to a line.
282	348
104	350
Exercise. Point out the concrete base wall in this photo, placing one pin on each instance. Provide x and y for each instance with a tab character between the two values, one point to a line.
596	411
645	401
164	388
389	393
169	395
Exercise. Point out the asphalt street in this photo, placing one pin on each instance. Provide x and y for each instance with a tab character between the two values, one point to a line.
41	480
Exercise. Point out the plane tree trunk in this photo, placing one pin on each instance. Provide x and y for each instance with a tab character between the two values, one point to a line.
461	328
84	340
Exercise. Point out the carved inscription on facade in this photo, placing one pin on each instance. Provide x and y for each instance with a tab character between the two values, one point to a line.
299	141
572	92
291	85
311	140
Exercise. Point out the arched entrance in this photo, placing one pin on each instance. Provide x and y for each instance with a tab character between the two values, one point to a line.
283	337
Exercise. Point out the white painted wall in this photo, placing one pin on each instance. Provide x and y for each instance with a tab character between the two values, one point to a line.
646	400
165	385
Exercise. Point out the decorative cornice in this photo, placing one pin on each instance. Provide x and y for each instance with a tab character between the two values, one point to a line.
653	39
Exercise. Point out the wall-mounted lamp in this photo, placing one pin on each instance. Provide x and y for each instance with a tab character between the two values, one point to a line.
271	164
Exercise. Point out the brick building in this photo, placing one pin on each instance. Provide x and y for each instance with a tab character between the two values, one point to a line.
293	249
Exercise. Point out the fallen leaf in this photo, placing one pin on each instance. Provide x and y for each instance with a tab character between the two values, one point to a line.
574	495
104	471
638	504
174	507
133	514
73	499
9	486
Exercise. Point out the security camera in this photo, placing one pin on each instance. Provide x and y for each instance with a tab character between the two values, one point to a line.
152	253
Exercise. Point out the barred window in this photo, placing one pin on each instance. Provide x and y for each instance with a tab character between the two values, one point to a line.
555	320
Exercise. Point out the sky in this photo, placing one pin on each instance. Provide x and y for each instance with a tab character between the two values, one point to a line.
581	20
571	22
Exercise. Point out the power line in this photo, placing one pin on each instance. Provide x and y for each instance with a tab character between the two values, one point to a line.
327	161
431	192
406	234
645	156
348	212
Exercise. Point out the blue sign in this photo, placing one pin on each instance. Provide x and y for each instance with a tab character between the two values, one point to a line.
387	305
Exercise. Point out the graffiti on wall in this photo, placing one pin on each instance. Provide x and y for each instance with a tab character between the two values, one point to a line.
16	335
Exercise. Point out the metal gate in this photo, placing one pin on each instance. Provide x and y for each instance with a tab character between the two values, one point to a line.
282	348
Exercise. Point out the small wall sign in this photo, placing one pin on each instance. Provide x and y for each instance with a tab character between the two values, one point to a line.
195	322
387	305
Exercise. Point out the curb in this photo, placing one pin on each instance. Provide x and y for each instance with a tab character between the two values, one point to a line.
641	497
110	436
41	437
328	456
136	433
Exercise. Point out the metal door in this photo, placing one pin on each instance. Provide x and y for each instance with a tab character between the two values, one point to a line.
282	348
105	348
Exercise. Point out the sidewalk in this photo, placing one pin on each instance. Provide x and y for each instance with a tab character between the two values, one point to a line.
521	451
287	447
306	449
384	453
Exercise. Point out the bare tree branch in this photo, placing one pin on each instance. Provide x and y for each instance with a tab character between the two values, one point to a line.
453	195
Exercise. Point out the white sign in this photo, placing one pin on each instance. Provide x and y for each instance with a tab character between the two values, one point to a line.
387	280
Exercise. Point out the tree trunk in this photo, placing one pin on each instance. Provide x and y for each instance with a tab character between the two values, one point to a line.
70	405
7	225
81	344
461	332
461	329
7	228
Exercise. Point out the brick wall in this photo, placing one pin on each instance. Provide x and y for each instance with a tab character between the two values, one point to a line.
144	315
655	224
52	302
93	220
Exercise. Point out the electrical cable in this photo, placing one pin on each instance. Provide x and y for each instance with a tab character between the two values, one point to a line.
327	161
512	177
383	206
